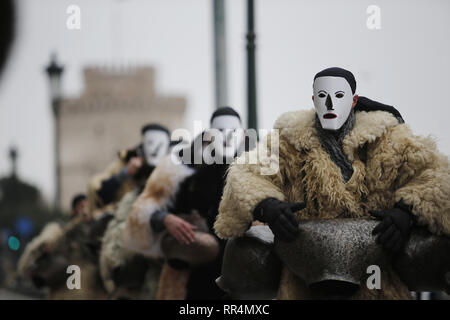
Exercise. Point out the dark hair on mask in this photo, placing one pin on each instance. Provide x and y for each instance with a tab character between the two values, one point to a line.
224	111
338	72
154	126
77	199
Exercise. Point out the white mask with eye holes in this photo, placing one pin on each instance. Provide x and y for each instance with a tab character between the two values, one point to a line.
333	99
227	136
155	145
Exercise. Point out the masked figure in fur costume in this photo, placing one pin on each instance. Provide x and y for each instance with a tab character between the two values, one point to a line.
131	169
128	275
178	207
349	158
46	258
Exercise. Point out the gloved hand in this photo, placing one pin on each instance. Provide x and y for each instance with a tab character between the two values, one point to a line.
279	215
394	228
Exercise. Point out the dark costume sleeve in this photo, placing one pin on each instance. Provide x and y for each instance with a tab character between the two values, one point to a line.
156	221
109	187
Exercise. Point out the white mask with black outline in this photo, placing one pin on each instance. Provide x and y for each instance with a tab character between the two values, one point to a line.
333	100
155	144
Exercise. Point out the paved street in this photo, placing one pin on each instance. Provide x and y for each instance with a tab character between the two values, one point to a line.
9	295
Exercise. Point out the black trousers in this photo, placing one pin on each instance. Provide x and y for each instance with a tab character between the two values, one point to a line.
202	279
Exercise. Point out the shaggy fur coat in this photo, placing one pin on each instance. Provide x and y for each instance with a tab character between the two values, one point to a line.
389	162
49	254
113	256
159	194
95	205
186	191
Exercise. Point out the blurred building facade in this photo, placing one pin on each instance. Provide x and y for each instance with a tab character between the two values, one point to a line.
106	118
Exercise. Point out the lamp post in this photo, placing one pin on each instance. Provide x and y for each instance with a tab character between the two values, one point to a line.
251	68
54	72
220	53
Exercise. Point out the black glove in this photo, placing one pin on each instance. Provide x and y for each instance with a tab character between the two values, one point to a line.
279	215
394	228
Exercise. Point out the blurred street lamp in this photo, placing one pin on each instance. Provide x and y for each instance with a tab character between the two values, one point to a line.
13	156
54	72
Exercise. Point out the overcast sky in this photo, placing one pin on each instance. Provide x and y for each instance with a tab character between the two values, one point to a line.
405	63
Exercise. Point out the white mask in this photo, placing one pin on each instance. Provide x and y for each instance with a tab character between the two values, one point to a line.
231	137
333	99
156	145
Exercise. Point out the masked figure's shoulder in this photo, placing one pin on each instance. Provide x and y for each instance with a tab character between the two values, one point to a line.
296	128
295	119
46	240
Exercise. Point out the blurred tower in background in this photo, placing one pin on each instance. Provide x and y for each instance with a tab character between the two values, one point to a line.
108	117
